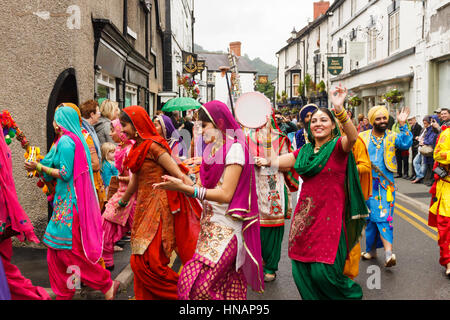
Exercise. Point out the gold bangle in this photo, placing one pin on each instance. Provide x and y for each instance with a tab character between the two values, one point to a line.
340	113
342	116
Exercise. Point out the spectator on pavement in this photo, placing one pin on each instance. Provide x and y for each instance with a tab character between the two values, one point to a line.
416	130
426	141
284	124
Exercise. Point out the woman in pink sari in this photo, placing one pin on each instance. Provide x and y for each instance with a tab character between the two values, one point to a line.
228	254
74	234
117	221
14	222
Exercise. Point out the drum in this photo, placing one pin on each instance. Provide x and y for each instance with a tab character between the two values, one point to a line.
253	110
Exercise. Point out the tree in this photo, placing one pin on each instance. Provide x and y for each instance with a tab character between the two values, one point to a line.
267	89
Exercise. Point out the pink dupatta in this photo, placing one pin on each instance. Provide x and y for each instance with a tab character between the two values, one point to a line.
11	212
88	207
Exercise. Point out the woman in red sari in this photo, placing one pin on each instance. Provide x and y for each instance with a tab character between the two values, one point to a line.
154	233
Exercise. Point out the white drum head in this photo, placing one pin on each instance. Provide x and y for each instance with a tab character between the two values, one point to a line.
252	110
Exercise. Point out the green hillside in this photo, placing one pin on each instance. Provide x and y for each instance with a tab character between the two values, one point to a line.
259	65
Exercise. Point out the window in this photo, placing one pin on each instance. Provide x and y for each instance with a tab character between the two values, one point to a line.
211	77
394	32
295	84
340	16
372	45
130	95
106	86
287	84
353	6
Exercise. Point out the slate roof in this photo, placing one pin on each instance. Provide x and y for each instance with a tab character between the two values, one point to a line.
216	60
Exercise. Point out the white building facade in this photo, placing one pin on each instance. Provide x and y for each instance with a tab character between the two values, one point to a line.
384	45
178	38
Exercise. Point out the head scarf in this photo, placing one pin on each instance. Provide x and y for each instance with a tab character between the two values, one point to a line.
123	149
11	212
171	134
309	164
83	180
244	204
147	131
373	113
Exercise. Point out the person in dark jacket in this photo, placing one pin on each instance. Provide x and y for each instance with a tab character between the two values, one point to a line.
416	130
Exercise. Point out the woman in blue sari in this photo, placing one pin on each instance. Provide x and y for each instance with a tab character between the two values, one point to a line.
74	234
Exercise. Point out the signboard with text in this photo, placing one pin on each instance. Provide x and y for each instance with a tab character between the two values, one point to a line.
335	65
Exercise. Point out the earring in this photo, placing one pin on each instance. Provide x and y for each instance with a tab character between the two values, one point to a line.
136	135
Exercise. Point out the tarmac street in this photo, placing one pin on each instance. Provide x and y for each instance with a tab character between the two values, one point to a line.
417	275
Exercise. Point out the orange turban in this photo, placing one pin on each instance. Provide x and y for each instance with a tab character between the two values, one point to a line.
375	111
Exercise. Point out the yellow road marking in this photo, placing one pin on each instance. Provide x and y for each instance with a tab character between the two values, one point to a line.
425	222
418	226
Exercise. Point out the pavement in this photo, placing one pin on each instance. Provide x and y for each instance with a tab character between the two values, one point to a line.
32	262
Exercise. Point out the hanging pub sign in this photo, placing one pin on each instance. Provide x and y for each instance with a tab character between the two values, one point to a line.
200	66
335	65
189	62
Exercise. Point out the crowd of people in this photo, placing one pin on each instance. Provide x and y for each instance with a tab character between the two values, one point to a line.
218	196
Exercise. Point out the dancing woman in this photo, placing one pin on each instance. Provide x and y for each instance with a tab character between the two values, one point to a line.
327	220
228	254
153	235
117	220
14	222
74	233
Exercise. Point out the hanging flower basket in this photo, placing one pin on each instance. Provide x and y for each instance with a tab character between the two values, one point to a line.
393	96
354	101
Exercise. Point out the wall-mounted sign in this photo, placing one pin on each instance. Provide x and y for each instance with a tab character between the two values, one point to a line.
189	62
335	65
200	65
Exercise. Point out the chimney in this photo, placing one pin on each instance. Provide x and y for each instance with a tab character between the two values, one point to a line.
235	47
320	8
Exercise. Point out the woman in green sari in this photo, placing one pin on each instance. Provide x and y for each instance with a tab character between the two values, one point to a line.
326	221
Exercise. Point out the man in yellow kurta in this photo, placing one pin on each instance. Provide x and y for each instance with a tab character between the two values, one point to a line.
364	167
439	215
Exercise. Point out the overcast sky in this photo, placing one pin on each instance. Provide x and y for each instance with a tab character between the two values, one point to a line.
263	26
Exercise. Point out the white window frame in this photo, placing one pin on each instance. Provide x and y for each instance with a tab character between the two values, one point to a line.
132	89
372	45
106	80
295	85
394	32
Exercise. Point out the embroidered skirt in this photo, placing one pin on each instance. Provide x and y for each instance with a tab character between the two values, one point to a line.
202	279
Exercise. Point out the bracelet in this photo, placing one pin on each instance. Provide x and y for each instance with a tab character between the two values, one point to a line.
202	194
39	167
122	204
340	113
342	116
195	192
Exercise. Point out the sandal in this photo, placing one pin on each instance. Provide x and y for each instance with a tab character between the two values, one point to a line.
269	277
391	262
118	249
368	255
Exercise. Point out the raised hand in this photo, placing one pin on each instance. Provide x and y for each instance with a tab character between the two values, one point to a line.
403	115
337	98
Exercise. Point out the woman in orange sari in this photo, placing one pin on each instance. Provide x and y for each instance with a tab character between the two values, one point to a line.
153	235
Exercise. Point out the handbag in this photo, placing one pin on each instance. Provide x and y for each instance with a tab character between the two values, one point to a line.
426	150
